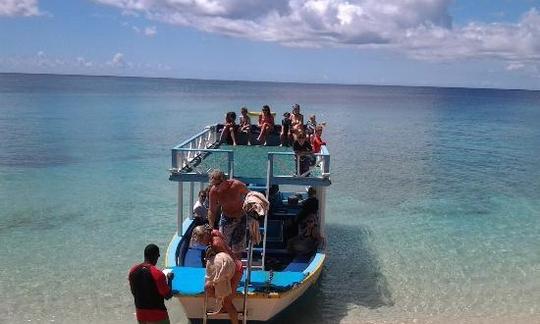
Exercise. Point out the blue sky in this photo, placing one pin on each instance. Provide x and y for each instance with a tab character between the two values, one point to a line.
477	43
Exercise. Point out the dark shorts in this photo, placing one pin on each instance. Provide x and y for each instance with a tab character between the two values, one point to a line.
234	231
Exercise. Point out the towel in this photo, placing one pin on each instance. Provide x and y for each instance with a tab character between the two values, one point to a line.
256	202
256	206
219	272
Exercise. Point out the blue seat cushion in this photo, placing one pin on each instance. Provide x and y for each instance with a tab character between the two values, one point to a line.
299	263
193	257
190	281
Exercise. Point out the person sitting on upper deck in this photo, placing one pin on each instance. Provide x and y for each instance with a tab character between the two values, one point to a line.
266	123
229	195
316	140
200	208
302	149
245	123
286	135
229	129
297	119
223	268
310	126
307	220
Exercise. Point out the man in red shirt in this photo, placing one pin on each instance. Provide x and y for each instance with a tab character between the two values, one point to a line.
150	287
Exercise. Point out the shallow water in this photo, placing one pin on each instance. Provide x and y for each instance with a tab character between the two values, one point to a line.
433	215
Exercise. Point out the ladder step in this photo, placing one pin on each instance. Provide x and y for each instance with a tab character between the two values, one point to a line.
253	263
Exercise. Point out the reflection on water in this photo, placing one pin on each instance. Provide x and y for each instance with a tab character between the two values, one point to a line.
352	277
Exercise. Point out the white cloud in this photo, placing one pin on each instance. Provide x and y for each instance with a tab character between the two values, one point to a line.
41	62
150	31
118	60
81	61
422	29
13	8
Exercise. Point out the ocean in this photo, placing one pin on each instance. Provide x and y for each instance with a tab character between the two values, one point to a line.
433	215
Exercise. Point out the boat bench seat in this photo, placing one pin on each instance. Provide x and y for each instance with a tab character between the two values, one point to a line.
190	281
299	263
193	257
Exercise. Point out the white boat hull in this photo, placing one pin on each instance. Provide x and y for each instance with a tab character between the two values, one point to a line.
260	306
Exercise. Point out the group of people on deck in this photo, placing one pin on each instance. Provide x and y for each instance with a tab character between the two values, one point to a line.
305	138
292	126
224	210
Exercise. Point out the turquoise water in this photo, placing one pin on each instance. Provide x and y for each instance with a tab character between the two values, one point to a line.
433	216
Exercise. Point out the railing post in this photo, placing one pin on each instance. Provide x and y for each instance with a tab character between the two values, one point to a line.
180	208
173	159
191	195
269	176
326	163
298	162
321	193
230	165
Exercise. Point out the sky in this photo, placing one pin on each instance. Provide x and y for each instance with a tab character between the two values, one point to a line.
458	43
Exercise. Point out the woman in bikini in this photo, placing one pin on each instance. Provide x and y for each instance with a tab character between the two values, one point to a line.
266	123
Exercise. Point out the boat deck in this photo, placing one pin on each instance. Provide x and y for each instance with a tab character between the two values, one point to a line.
193	159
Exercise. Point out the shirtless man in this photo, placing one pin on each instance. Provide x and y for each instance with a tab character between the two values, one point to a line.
229	195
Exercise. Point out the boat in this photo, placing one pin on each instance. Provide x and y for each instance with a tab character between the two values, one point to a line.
273	278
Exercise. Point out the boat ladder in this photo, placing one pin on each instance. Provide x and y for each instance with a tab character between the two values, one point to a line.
247	265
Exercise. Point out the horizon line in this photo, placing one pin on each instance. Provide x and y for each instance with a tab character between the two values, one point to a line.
267	81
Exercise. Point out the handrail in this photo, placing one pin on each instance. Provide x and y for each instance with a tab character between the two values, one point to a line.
205	130
201	141
323	157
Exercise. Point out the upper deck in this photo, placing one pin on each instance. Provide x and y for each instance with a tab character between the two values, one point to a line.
195	158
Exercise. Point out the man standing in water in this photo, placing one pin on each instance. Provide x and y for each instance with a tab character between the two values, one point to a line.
229	195
150	287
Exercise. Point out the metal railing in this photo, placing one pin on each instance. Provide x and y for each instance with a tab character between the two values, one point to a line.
319	169
195	147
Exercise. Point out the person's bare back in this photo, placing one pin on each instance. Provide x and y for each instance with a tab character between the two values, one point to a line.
227	194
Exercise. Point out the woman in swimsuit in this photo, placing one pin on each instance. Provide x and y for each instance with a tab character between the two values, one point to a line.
297	119
266	123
